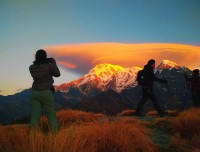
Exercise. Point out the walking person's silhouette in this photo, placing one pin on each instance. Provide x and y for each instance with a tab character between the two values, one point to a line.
149	77
42	70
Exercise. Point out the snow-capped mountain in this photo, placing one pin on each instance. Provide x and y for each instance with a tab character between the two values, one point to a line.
107	84
106	88
167	64
104	77
176	91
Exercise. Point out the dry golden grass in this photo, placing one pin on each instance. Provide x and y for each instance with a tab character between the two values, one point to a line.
88	135
152	113
186	131
196	150
187	123
68	117
173	112
180	144
169	113
127	113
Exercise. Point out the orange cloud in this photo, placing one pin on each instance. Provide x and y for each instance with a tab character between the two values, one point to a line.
67	64
82	57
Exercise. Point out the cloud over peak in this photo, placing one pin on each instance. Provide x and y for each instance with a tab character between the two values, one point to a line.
82	57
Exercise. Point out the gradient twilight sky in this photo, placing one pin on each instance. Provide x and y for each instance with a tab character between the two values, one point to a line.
28	25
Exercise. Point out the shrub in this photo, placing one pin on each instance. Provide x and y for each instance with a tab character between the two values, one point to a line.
187	123
186	131
68	117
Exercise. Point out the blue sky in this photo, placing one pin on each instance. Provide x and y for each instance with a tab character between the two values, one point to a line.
28	25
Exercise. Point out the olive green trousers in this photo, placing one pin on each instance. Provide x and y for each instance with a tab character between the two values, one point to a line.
43	99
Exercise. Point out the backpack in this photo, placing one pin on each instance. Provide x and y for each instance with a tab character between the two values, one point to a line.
141	77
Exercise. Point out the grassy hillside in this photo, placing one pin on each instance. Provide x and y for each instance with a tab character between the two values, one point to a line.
88	132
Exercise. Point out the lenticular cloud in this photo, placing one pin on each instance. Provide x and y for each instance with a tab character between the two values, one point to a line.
82	57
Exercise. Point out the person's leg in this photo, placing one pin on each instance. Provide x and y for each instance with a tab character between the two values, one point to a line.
49	106
199	99
142	102
155	102
35	109
195	98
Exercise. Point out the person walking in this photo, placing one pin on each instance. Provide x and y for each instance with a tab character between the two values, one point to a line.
43	70
146	78
194	84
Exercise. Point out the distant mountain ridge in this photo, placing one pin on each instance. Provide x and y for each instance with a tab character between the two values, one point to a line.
108	89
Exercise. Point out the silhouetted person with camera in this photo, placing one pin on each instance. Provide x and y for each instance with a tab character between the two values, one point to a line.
43	70
194	84
146	78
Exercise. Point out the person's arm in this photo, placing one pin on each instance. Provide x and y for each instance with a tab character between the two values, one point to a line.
54	69
187	78
158	79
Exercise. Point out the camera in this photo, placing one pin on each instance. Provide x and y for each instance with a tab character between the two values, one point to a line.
50	60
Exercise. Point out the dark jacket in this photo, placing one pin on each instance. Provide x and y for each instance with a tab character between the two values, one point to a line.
43	75
150	77
194	83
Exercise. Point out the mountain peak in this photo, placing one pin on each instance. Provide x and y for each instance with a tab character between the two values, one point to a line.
106	69
167	64
105	77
